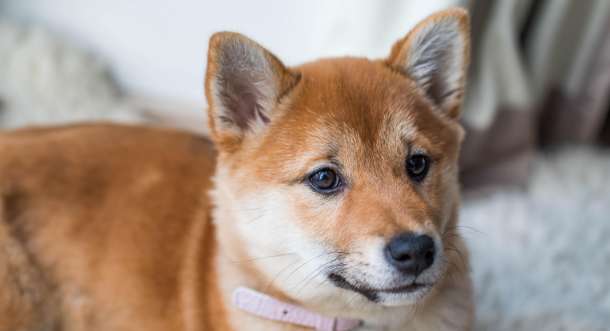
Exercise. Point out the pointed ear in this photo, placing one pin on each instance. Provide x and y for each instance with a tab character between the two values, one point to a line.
243	85
435	54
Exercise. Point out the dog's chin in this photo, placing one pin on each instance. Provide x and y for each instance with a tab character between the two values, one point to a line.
393	299
401	295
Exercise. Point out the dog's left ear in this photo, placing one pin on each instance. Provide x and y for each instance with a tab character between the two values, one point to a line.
435	54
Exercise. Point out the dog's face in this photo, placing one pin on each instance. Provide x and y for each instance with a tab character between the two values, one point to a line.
341	174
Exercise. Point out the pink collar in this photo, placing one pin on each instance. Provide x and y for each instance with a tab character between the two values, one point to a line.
262	305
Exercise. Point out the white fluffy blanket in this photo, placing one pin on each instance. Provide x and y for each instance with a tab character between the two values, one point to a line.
541	256
45	81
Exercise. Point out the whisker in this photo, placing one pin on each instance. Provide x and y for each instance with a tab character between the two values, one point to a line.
262	258
321	269
294	270
459	254
278	274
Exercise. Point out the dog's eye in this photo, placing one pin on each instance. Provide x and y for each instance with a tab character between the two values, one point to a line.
325	181
418	166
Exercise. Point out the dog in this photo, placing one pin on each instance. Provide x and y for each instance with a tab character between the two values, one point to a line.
327	198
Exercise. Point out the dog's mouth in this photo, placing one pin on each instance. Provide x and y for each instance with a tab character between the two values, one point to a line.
373	293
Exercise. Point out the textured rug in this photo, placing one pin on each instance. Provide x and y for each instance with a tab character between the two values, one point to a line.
541	256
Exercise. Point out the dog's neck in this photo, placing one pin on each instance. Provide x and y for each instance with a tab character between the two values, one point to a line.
234	271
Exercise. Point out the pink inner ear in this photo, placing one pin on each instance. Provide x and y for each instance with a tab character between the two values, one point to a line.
245	82
429	71
241	102
434	61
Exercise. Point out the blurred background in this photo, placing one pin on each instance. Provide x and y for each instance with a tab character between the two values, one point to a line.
535	163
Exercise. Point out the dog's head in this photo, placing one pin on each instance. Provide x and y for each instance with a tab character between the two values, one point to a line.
340	175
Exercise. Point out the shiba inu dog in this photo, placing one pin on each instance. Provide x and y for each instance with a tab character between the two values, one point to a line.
328	200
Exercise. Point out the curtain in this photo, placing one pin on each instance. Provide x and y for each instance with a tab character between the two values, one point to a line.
540	77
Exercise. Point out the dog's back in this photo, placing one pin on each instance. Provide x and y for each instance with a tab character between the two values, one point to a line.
94	215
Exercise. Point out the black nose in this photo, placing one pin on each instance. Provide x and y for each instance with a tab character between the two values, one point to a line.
411	253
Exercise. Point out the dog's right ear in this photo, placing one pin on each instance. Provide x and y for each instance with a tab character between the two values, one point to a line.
435	55
243	85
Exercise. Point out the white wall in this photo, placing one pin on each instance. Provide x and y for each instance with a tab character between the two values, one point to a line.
157	47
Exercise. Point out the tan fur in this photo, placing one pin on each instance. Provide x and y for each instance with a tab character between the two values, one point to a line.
110	227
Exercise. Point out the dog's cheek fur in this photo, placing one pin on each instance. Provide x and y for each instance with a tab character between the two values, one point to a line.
287	256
